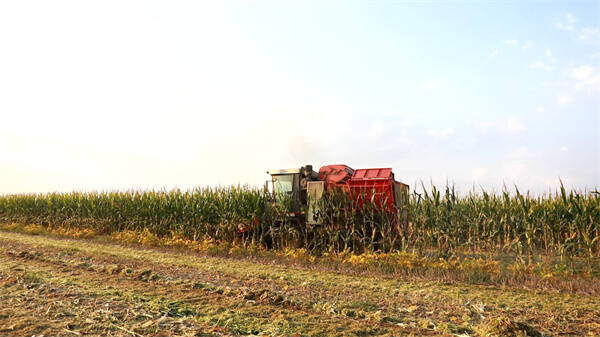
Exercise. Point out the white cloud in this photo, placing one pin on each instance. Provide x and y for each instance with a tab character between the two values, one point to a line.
540	109
541	65
549	53
519	163
568	23
515	170
515	125
563	149
493	53
430	85
404	137
589	34
564	98
446	132
479	173
587	78
377	130
409	124
592	83
527	45
441	134
586	34
511	42
549	56
521	152
582	72
482	127
547	84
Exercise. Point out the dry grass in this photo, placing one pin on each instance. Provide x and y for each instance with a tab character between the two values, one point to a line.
499	270
203	294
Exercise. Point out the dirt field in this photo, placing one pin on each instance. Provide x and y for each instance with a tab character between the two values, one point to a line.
64	287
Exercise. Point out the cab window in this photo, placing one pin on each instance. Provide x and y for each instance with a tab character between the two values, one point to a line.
283	185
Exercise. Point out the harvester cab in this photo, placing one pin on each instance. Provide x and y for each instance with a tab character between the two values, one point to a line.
289	187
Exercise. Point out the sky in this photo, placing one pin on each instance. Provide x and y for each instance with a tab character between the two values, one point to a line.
114	95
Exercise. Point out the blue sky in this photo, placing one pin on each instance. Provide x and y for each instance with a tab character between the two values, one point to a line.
141	94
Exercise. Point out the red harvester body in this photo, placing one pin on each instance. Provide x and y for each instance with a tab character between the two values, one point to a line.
376	185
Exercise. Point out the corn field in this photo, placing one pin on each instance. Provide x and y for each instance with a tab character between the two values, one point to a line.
566	223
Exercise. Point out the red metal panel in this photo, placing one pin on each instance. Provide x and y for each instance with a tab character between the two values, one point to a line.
364	185
335	174
373	173
379	190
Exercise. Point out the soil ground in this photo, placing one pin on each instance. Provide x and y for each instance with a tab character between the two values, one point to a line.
65	287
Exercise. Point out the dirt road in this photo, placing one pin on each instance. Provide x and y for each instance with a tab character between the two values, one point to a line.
63	287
